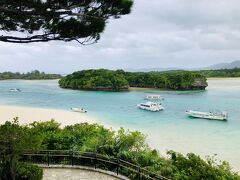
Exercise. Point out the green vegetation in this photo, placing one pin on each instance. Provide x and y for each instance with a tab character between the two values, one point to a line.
119	80
28	172
176	80
123	144
14	140
221	73
34	75
95	80
61	20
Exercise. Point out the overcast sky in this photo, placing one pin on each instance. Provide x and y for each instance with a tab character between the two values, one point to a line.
157	34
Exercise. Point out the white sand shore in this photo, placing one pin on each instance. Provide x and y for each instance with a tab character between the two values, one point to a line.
224	78
28	115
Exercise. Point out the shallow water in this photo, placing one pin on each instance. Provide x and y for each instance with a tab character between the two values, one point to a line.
166	130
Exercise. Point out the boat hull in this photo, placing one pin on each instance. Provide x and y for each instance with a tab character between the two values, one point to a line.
79	110
206	116
151	109
154	99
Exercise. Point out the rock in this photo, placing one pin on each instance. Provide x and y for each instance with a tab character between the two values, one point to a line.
199	83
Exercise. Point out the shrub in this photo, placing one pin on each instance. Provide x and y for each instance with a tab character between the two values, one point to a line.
26	171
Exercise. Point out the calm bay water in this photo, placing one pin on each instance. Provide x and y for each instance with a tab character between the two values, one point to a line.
166	130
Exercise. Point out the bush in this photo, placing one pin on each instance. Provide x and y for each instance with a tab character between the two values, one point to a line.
103	79
26	171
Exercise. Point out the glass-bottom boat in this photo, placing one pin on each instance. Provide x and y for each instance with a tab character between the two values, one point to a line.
151	106
223	116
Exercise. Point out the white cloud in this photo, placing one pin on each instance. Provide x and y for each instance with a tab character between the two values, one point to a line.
158	33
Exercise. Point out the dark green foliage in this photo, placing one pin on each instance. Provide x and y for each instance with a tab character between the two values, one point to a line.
129	146
14	140
177	80
221	73
29	76
193	167
122	144
119	80
66	20
27	171
95	80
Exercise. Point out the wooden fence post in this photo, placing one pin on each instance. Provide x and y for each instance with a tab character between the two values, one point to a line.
72	159
117	166
139	173
48	160
95	161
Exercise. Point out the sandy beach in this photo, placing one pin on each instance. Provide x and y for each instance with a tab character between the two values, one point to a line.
224	78
223	83
28	115
167	130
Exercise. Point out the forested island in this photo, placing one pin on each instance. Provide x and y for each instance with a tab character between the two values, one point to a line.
122	144
95	80
120	80
34	75
221	72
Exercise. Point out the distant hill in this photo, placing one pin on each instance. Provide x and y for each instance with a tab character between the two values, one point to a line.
34	75
155	69
232	65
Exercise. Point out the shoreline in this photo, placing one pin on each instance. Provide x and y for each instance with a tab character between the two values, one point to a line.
130	88
27	115
223	78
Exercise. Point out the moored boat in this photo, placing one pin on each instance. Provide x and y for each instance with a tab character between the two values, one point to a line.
81	110
222	116
151	106
153	97
14	90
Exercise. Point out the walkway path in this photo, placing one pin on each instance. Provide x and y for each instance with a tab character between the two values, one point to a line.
74	174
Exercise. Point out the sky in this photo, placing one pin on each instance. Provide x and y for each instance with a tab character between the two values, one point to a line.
157	34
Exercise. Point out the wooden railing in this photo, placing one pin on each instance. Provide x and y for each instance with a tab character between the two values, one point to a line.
76	158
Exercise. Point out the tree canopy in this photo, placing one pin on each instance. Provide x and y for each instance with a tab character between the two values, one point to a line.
126	145
14	140
65	20
103	79
29	75
221	72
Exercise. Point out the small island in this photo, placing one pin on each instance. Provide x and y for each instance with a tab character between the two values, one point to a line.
102	79
34	75
108	80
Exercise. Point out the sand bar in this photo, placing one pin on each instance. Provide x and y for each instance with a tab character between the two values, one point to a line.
28	115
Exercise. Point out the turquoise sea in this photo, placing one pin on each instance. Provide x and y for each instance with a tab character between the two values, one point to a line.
167	130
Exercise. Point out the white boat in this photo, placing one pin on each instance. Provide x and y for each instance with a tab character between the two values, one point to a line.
151	106
14	90
81	110
154	97
223	116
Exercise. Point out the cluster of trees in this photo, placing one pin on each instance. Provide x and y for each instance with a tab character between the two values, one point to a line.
177	80
29	76
124	144
62	20
14	140
221	73
103	79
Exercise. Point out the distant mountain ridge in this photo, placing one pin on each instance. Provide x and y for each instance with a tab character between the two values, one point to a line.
153	69
231	65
